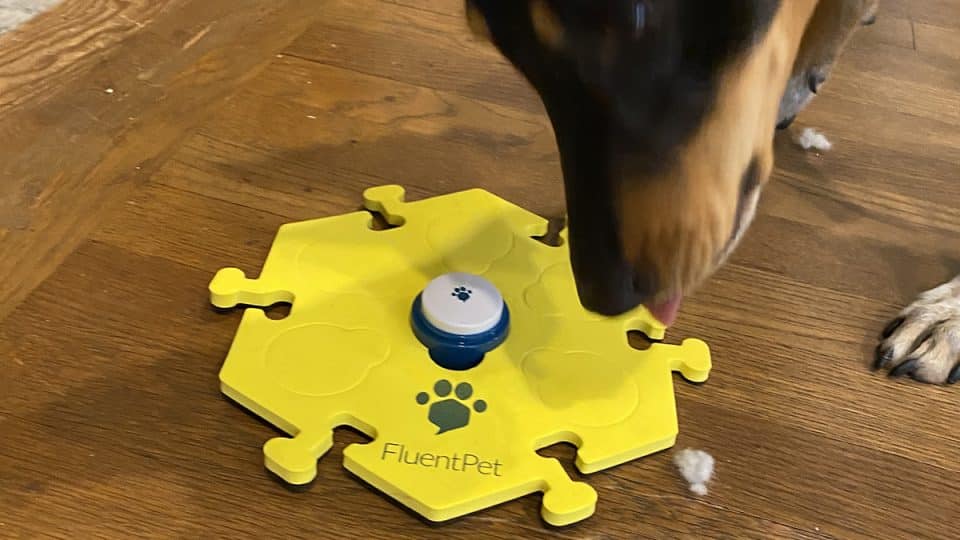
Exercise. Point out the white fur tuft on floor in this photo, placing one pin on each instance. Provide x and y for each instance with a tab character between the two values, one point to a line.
811	138
696	467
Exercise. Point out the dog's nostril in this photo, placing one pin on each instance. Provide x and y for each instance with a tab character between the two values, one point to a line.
815	81
614	291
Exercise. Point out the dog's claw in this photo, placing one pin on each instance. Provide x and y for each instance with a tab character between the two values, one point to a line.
891	327
954	375
923	339
906	368
882	357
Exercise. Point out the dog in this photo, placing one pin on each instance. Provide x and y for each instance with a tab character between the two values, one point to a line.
664	113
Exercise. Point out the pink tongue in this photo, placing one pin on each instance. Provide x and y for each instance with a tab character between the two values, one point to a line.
666	312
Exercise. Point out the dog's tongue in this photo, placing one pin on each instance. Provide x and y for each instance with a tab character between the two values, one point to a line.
666	312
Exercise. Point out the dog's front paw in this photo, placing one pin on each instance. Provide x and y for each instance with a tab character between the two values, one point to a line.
923	341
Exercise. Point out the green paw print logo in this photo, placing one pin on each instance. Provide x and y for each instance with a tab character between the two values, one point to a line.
450	413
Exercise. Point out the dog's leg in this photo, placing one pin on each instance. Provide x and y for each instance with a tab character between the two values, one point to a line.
923	341
831	27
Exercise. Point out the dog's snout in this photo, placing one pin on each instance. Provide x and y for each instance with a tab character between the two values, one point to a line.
815	81
607	300
616	292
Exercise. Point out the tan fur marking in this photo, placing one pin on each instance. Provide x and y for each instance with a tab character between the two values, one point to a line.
477	23
682	222
546	25
830	29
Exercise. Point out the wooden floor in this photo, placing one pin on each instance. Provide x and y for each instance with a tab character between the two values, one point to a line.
148	143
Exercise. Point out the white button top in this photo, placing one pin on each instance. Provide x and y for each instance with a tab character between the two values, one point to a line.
463	304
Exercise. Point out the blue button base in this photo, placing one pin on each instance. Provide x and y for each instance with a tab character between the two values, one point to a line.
455	351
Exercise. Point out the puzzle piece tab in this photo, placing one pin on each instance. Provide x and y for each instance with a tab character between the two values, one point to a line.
445	443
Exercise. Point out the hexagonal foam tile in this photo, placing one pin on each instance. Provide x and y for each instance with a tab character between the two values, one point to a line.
445	443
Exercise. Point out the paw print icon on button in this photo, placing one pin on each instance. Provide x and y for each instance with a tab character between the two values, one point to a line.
460	317
462	293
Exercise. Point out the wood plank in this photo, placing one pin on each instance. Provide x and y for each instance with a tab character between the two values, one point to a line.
753	305
366	36
355	130
888	30
72	157
446	7
904	82
245	117
66	43
142	400
123	424
933	40
941	12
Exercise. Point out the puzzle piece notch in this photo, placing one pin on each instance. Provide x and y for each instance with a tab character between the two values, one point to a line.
295	459
566	501
230	288
644	323
691	358
390	201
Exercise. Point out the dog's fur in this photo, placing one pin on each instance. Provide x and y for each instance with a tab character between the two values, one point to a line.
664	113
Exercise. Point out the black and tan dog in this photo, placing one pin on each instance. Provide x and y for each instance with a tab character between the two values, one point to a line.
664	113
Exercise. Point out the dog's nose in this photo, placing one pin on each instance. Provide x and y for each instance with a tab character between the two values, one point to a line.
616	292
815	81
606	300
